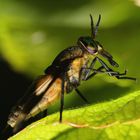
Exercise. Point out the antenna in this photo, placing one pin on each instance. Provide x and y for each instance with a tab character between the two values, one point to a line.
97	25
92	27
94	30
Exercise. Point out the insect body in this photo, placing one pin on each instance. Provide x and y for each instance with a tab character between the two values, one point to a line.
69	68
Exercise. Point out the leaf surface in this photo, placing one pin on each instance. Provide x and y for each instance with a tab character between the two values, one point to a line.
115	119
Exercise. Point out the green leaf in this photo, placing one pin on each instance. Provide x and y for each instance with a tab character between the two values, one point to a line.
117	119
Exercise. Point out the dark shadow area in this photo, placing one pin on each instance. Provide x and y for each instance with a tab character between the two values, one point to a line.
95	95
13	85
64	133
105	93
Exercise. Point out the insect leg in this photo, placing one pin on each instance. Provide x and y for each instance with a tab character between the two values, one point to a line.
80	94
94	73
125	77
99	70
45	113
117	75
88	70
62	99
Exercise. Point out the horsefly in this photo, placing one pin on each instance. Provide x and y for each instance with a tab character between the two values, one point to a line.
69	68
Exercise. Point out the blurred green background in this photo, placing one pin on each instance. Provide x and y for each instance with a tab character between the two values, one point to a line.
33	32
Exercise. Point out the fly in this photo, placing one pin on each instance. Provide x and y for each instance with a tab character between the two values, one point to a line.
69	68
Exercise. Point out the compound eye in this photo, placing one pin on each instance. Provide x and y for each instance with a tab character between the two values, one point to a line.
82	41
88	43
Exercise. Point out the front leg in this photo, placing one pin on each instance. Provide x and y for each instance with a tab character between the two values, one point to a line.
85	72
116	74
108	70
100	70
94	73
